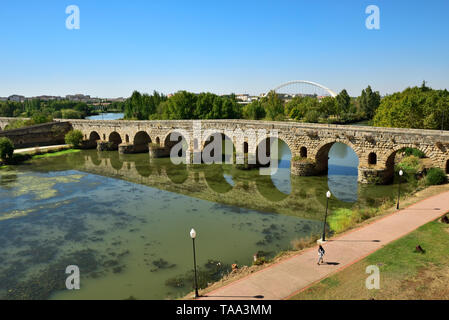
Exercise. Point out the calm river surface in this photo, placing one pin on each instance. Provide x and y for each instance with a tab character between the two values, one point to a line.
125	221
106	116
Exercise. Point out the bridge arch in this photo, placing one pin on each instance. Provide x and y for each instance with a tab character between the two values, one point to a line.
285	142
389	161
447	166
94	136
322	154
332	93
226	144
173	138
115	139
141	141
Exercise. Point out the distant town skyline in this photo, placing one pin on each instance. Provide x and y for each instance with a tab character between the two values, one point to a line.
221	47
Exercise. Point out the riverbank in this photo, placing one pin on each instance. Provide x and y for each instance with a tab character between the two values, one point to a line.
243	273
405	272
22	155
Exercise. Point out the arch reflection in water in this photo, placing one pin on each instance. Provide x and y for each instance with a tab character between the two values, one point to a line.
222	179
343	172
280	177
228	185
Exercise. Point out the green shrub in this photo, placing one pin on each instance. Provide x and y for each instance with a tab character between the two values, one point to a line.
260	261
311	116
411	166
39	118
6	149
15	124
342	219
71	114
435	176
413	152
74	138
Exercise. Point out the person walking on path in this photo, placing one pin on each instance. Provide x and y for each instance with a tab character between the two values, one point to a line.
321	253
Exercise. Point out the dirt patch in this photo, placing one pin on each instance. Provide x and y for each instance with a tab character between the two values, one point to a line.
430	284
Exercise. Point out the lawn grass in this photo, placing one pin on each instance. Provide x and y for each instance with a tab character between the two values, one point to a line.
404	273
37	154
55	154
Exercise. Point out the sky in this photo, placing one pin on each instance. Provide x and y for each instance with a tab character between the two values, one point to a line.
245	46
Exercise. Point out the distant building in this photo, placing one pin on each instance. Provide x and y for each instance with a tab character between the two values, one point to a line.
242	97
3	99
16	98
78	97
121	99
48	98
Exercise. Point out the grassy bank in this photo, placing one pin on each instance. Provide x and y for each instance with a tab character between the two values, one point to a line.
37	153
55	154
298	245
405	273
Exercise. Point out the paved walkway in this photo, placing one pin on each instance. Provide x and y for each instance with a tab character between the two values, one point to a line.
47	148
287	277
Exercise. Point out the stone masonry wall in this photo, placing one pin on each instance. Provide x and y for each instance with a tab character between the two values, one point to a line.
381	143
38	135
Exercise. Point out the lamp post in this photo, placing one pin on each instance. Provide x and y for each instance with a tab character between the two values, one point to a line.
328	195
193	236
399	187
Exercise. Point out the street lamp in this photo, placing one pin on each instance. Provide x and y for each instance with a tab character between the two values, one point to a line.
193	236
328	195
399	187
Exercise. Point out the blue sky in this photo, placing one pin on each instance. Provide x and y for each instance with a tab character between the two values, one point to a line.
220	46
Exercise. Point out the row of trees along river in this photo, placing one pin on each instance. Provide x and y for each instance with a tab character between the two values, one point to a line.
417	107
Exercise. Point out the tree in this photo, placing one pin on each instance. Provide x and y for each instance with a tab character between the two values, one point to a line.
71	114
203	106
292	104
369	102
343	103
273	106
74	138
417	107
6	149
254	111
181	105
328	106
306	109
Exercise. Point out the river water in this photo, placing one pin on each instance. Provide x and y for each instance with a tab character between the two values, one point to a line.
106	116
124	220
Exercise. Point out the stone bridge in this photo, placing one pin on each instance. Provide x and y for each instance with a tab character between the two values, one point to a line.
309	143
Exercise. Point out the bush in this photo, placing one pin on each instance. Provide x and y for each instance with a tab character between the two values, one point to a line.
413	152
71	114
311	116
74	138
435	176
410	165
342	219
15	124
260	261
6	149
